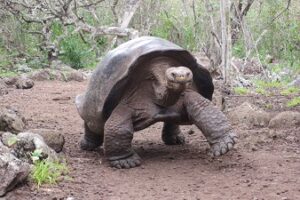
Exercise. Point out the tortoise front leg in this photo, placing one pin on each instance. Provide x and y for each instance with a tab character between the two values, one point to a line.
171	134
211	121
118	134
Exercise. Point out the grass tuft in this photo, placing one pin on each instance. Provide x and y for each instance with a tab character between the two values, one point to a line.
47	172
289	91
294	102
241	90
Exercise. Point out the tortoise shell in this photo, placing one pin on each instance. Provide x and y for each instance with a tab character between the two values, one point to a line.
110	78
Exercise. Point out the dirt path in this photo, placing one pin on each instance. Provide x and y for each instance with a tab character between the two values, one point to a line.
260	167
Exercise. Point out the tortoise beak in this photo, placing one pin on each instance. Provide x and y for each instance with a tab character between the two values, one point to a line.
181	79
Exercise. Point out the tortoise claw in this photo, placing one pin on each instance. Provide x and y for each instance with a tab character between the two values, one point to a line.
174	139
126	163
222	145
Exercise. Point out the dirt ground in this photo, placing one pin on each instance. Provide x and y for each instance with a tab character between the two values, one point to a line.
264	165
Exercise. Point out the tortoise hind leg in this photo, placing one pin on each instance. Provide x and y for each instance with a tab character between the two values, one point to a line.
90	140
171	134
117	139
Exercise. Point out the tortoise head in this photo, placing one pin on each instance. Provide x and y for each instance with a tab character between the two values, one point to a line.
179	78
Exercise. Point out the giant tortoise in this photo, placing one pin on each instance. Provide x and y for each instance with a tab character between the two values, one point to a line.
144	81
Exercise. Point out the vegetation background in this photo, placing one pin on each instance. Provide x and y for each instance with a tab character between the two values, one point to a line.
80	32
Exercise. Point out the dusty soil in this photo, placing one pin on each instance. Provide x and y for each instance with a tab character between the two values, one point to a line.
264	165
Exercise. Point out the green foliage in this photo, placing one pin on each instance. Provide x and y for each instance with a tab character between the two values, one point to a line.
76	52
36	155
241	90
268	84
290	90
294	102
269	106
6	73
261	91
47	172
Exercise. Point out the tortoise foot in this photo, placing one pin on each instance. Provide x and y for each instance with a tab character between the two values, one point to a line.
89	144
222	145
174	139
125	163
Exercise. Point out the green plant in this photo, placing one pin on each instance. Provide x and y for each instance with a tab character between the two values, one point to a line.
294	102
76	52
47	172
290	90
260	91
36	155
269	106
241	90
267	85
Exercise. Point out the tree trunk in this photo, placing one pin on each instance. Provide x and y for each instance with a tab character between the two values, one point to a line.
226	39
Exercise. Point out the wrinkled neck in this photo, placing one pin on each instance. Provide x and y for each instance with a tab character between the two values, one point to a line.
165	96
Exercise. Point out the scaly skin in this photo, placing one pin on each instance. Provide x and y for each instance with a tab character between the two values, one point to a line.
90	140
171	134
117	139
211	121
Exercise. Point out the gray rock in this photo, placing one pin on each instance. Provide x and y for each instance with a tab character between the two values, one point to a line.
28	142
57	75
59	65
12	170
3	87
41	75
287	119
10	81
250	115
296	82
23	68
8	139
75	76
53	139
24	83
11	120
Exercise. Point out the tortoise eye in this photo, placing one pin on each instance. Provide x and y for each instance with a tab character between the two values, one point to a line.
173	74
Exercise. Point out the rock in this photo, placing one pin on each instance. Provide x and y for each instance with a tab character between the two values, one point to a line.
53	139
75	76
9	139
24	83
10	81
58	65
296	82
27	143
57	75
23	68
11	120
12	170
3	87
241	82
41	75
287	119
250	115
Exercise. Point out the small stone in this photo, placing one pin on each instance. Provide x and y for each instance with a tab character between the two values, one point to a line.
250	115
24	83
285	119
75	76
53	139
41	75
11	120
14	170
